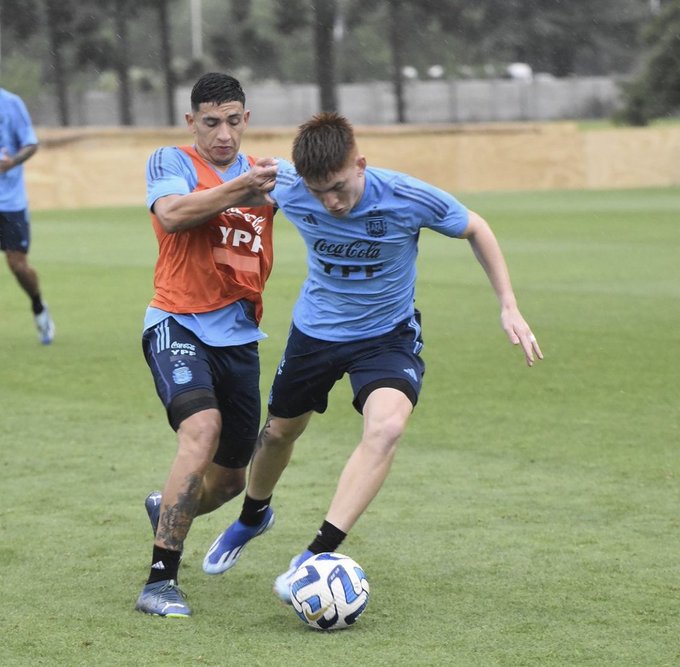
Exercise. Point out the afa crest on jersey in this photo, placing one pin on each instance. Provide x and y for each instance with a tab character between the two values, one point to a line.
376	225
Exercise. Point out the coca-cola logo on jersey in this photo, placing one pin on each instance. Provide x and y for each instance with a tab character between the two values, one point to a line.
355	249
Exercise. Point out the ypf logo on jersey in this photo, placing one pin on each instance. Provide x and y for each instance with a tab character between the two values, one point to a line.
235	237
376	225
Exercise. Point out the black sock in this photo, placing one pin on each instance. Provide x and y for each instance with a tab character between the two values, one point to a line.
328	538
164	564
253	510
37	304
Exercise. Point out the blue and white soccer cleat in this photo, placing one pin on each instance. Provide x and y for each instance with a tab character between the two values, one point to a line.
163	598
153	509
227	548
45	326
283	581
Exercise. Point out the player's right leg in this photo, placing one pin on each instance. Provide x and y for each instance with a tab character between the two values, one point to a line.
15	239
197	442
386	413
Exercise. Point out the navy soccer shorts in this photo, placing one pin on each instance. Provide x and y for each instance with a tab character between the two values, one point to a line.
15	232
191	376
310	367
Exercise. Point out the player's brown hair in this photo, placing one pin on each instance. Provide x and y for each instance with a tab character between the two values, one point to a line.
323	146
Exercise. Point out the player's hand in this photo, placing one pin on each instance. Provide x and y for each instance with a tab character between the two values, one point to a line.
6	162
519	333
263	174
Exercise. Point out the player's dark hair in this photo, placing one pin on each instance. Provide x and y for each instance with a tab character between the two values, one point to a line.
322	146
216	88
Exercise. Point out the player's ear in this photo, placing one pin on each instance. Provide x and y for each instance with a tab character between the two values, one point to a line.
189	118
361	163
246	116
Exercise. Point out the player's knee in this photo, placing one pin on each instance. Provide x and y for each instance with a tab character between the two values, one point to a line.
384	434
17	262
198	436
280	432
387	434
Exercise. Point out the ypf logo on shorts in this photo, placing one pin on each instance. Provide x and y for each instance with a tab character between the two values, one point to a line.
187	349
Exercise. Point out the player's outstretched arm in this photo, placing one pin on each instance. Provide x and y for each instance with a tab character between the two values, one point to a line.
178	212
488	252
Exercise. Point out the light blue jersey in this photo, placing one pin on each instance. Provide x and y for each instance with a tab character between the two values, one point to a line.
361	269
170	171
231	325
16	131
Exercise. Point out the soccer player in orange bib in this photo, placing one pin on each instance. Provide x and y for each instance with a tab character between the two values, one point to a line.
201	329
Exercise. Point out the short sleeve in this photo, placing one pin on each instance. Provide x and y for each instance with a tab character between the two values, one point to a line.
169	172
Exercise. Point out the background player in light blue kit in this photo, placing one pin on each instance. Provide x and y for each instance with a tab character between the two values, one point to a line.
355	315
18	142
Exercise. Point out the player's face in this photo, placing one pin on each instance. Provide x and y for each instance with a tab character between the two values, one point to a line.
217	130
341	192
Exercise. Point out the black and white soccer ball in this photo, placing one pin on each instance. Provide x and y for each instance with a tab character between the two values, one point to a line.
329	591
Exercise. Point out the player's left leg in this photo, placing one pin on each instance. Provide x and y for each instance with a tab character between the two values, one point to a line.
25	274
15	240
27	277
386	413
197	438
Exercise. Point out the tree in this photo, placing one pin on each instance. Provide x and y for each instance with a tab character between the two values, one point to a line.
166	57
246	40
122	9
396	33
21	23
59	15
557	37
409	27
296	16
102	43
655	91
18	27
323	41
325	13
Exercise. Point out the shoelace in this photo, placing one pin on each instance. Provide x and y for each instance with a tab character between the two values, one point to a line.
172	586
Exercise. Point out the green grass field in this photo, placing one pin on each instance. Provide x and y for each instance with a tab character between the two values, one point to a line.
531	517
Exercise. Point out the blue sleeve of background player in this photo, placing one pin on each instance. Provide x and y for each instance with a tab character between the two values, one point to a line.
25	132
169	171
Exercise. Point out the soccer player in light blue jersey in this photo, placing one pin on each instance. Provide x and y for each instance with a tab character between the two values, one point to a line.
18	143
355	315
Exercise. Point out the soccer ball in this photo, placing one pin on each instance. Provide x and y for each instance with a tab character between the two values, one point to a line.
329	591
